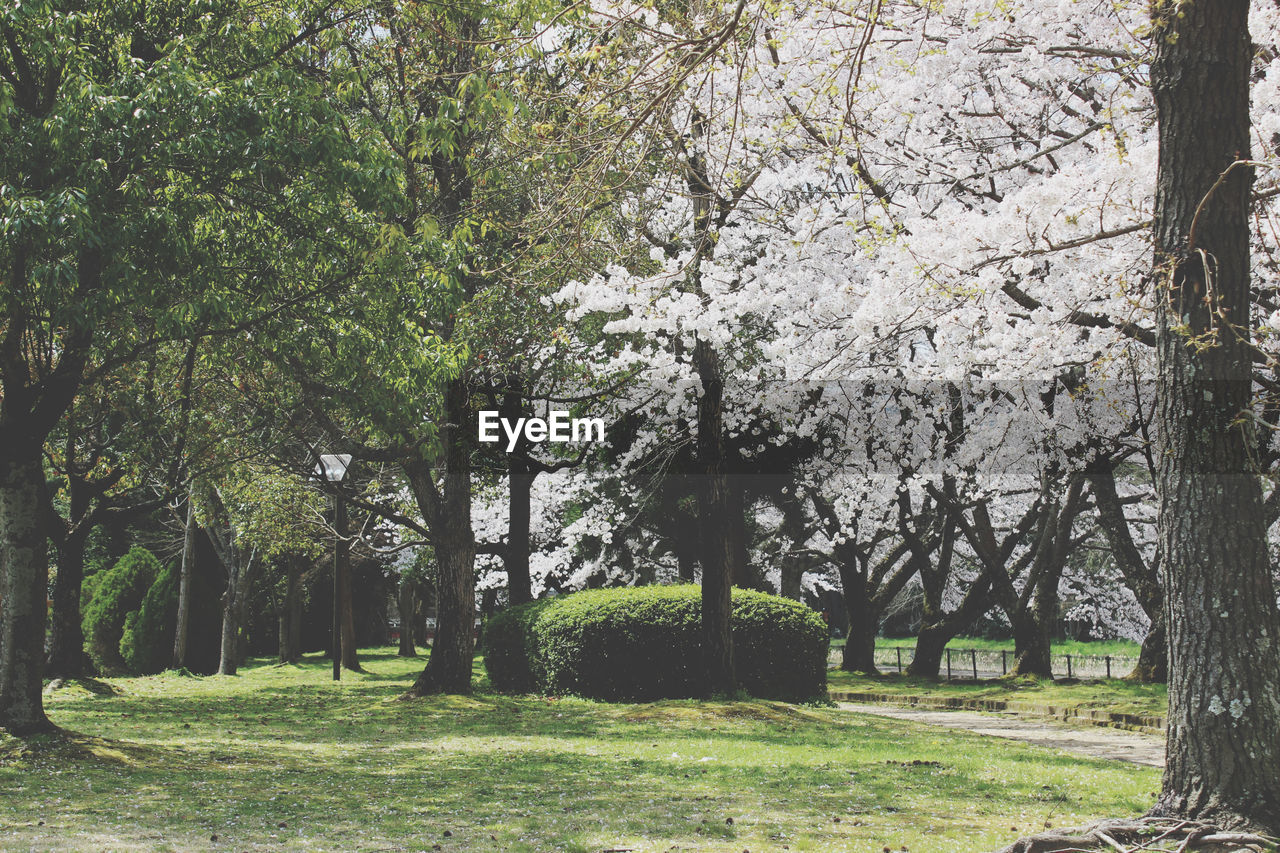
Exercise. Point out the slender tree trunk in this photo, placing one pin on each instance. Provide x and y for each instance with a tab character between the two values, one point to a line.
182	626
1222	751
407	604
66	658
718	547
291	614
448	669
24	576
228	651
516	554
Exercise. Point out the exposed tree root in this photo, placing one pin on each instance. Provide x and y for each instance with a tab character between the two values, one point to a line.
1144	835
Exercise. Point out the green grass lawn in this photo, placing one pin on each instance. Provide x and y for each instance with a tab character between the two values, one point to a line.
1115	695
280	758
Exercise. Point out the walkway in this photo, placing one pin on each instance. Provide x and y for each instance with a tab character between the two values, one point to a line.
1092	742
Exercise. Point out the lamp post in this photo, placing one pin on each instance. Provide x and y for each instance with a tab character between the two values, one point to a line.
333	467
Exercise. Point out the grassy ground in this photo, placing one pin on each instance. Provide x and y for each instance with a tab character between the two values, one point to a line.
1114	695
280	758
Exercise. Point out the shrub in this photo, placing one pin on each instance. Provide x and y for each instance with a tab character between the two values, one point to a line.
147	641
645	643
110	596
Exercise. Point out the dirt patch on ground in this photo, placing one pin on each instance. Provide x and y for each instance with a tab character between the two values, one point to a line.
1092	742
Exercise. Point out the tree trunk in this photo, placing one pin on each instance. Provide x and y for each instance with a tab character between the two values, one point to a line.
718	547
931	645
1220	605
183	624
1142	579
864	622
448	669
66	658
24	577
291	614
516	554
228	649
407	604
1153	657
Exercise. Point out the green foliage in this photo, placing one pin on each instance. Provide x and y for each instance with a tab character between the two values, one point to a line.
110	597
147	642
645	643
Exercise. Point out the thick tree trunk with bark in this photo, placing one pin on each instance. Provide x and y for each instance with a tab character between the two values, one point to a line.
1223	749
448	511
66	658
719	550
24	571
860	646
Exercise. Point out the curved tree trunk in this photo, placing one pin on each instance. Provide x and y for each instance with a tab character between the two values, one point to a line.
24	571
1141	578
1220	603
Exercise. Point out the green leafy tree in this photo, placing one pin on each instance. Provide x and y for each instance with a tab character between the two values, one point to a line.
169	170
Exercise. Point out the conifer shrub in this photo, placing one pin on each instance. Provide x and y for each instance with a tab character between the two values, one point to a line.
146	644
643	643
110	596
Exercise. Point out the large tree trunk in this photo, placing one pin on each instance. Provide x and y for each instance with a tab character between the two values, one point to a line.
719	550
24	576
66	658
407	604
186	573
448	669
864	622
1222	751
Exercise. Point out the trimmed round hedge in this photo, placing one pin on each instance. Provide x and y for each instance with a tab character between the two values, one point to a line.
640	643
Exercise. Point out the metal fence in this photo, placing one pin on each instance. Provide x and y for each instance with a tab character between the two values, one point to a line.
993	663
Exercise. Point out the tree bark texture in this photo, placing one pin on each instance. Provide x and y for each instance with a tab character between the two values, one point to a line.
719	551
66	657
1223	743
448	511
24	571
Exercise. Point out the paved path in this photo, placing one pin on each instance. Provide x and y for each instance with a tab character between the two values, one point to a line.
1093	742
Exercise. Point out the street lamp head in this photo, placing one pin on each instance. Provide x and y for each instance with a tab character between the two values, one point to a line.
333	466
